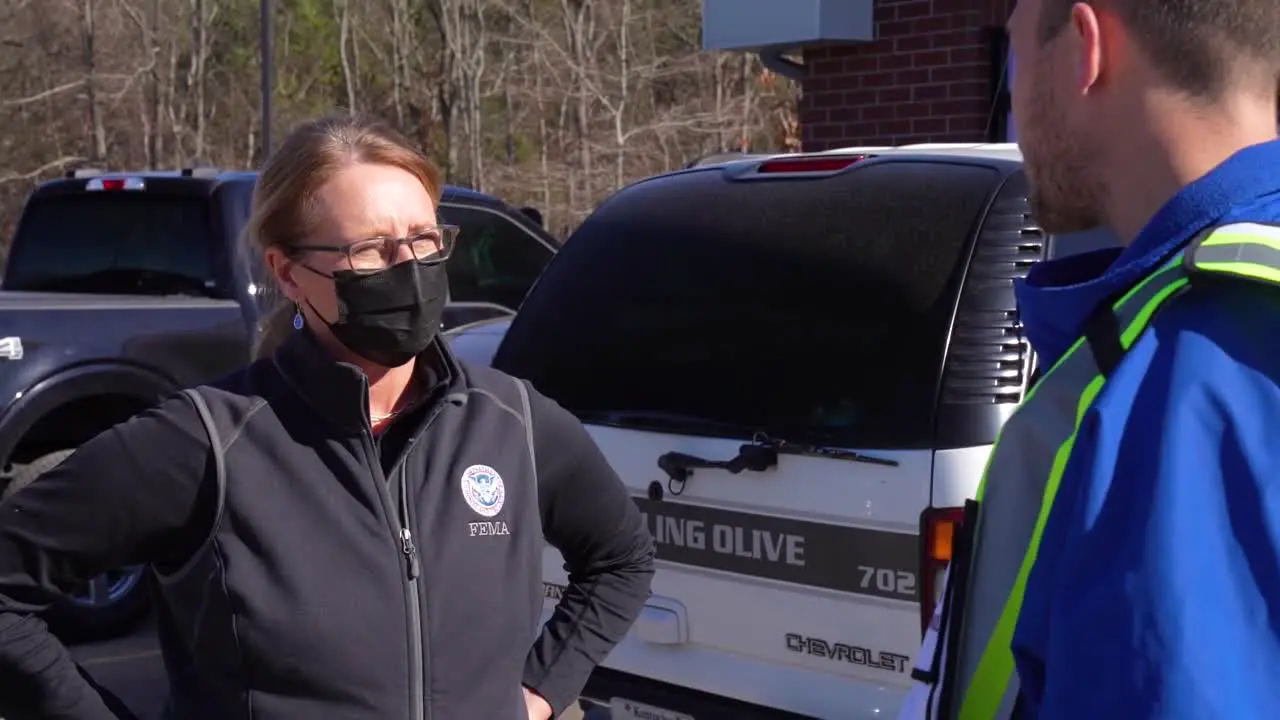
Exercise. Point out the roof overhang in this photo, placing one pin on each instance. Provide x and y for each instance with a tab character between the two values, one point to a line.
762	25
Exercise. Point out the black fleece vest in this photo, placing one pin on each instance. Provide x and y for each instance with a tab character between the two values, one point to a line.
301	602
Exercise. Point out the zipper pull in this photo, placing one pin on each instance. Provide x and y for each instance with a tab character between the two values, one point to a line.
410	552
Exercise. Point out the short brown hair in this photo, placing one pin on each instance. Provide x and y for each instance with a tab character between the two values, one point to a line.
1201	46
305	160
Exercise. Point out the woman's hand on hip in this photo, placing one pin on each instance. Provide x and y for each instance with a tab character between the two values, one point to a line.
537	708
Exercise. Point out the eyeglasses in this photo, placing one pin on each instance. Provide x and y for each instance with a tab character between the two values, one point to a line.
430	246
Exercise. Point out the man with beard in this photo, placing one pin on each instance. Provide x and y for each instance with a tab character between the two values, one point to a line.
1122	558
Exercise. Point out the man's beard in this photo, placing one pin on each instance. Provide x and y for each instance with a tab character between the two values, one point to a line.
1065	195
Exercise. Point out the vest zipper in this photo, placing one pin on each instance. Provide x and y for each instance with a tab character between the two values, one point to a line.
397	521
417	628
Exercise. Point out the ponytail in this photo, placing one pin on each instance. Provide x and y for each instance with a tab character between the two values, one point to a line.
274	327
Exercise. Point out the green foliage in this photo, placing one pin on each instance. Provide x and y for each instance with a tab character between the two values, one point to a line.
236	31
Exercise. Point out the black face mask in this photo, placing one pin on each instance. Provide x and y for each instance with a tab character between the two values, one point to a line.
389	317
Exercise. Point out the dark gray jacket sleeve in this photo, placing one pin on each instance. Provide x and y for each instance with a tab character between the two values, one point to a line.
134	494
587	514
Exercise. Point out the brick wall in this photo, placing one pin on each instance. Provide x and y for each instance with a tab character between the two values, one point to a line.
926	77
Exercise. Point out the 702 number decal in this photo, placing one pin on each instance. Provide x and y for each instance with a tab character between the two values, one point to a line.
884	580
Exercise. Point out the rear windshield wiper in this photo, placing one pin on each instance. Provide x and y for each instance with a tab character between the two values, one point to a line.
785	447
759	455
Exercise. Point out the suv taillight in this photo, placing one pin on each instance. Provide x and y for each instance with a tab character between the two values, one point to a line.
113	184
938	528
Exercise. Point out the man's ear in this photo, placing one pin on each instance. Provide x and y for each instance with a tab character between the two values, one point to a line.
1091	54
282	267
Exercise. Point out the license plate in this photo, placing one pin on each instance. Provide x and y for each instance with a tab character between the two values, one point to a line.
624	709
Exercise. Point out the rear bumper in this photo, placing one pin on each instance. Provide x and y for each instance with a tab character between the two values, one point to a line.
606	684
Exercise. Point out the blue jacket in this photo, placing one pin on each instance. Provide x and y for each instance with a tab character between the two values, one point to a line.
1156	591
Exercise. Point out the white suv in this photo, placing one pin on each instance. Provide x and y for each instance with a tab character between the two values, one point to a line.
798	365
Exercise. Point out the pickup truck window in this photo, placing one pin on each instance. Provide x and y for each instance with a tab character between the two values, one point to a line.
496	260
115	244
815	310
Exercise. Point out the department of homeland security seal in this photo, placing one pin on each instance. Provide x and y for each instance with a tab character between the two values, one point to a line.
483	490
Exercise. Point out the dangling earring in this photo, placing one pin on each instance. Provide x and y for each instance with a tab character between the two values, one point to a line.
297	316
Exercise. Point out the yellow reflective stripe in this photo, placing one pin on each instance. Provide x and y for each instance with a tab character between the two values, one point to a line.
1245	269
1143	318
995	669
1228	236
1075	347
1235	237
991	679
1171	264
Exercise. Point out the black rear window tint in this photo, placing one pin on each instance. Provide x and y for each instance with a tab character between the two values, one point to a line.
111	237
813	310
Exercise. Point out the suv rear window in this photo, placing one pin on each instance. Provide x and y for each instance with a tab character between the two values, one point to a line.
114	243
812	310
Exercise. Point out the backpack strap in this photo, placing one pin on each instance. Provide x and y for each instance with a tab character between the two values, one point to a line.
215	444
528	425
114	704
1102	333
168	575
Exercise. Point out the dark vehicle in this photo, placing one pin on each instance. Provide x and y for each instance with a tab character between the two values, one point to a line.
798	365
121	288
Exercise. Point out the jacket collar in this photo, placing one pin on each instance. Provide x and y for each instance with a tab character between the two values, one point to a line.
1058	296
339	391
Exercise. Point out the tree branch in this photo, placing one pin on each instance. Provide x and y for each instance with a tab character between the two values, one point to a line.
65	87
59	163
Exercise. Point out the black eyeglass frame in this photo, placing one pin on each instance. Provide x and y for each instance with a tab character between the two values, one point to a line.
390	247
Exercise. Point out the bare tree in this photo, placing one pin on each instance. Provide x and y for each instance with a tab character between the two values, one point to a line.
203	13
148	27
579	20
463	34
98	131
399	54
342	8
618	105
553	103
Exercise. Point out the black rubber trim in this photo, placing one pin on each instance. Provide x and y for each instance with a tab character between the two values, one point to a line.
605	684
928	677
953	615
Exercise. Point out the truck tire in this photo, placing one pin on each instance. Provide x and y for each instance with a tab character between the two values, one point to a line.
108	606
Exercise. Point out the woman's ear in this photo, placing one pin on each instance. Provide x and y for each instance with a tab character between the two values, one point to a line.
282	267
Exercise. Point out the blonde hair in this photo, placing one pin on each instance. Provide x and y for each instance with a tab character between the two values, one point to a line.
307	158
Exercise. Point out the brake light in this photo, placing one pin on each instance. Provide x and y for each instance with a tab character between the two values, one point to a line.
938	529
133	183
809	165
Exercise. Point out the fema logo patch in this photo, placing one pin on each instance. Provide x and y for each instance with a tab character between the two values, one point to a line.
483	490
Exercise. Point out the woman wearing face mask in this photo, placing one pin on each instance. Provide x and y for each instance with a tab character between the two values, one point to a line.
364	537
